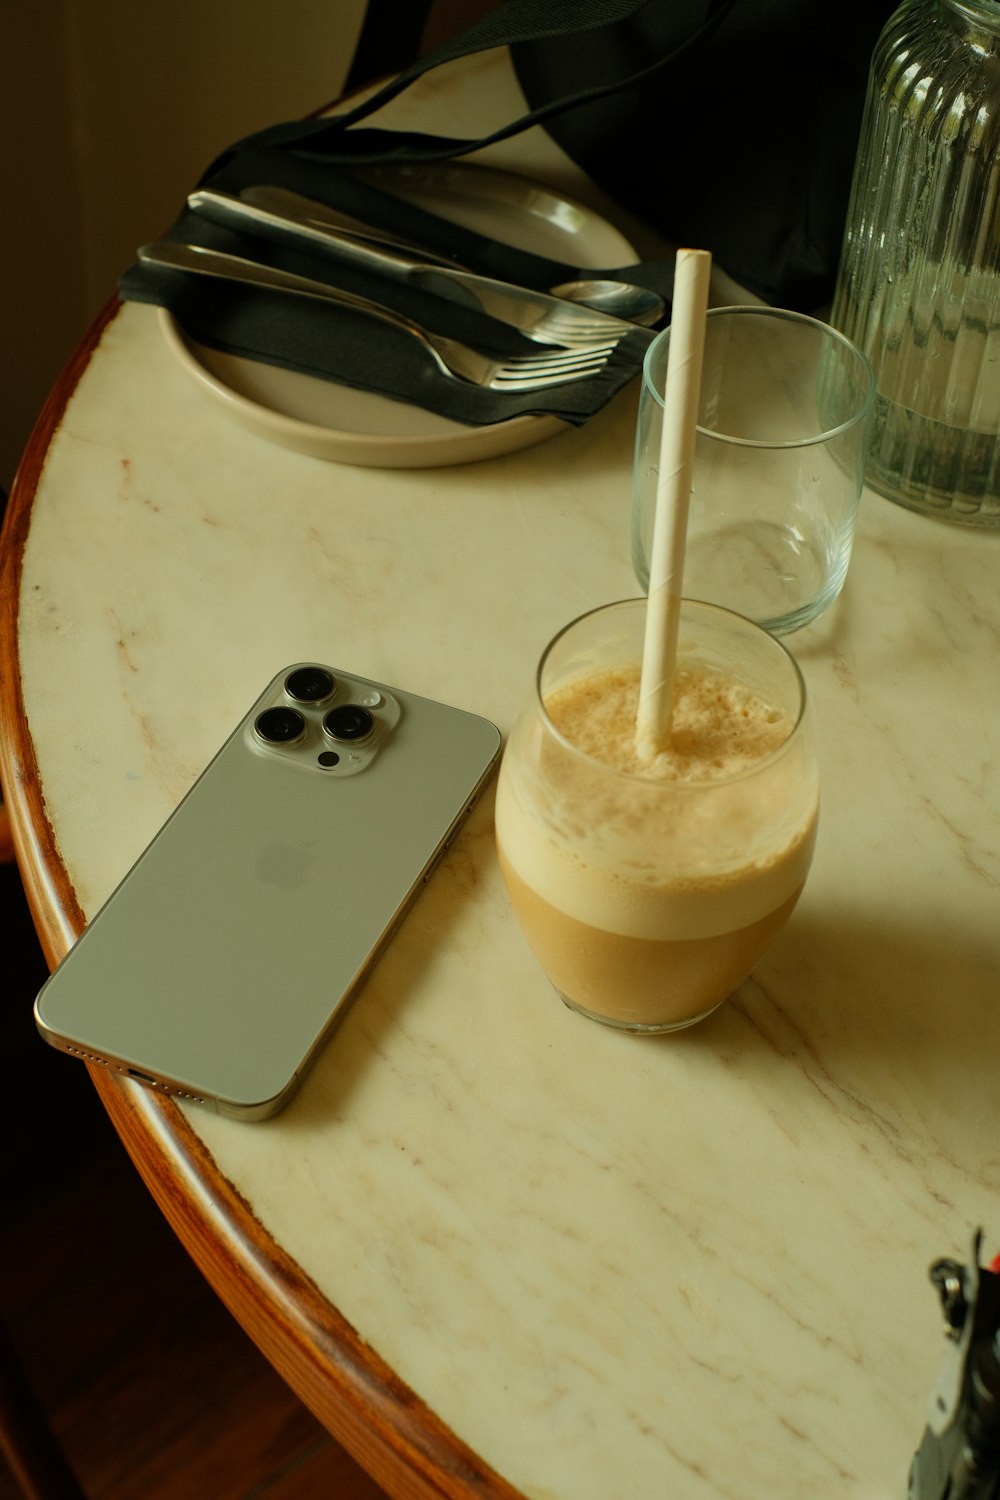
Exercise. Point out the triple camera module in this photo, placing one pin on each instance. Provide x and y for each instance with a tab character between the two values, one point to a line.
346	724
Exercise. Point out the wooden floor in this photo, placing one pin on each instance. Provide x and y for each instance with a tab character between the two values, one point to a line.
152	1388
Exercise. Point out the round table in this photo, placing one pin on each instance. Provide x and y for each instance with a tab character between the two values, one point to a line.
499	1250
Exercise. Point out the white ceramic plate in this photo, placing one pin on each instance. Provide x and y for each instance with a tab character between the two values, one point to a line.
332	421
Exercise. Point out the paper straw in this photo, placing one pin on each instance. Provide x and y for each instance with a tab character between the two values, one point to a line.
673	492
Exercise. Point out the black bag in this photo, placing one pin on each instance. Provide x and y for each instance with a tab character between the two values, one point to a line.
743	143
730	125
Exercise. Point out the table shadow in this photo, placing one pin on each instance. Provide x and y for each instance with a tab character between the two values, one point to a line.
885	1017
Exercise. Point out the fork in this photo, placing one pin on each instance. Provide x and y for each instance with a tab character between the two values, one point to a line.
287	218
528	372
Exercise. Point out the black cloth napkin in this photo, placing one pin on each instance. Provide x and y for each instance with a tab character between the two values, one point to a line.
351	348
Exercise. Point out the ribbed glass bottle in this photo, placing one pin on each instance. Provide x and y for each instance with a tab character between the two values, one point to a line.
919	282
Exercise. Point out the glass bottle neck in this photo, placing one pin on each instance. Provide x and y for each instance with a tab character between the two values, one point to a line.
985	13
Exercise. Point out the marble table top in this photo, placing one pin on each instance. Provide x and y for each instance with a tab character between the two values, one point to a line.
692	1266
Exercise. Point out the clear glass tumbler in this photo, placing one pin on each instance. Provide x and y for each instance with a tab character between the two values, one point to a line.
778	466
648	901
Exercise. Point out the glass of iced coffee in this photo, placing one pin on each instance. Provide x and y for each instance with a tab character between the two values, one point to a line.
648	890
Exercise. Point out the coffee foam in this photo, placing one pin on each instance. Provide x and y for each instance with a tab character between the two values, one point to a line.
605	863
718	726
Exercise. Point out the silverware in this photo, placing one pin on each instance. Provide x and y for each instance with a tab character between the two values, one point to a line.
622	299
289	219
456	360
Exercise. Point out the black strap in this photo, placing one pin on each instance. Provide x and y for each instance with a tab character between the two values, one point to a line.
511	23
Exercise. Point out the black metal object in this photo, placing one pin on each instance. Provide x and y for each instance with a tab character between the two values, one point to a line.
959	1457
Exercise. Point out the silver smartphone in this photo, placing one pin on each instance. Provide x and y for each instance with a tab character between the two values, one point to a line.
218	965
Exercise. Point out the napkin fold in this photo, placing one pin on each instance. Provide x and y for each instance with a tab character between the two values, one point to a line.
353	349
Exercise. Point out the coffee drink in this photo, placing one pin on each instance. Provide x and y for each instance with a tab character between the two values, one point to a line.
649	891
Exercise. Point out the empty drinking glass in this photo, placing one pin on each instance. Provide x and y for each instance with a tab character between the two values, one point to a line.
778	467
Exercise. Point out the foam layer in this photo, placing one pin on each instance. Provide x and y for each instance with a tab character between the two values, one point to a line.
699	857
718	727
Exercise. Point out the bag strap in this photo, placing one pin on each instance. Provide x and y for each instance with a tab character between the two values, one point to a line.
513	22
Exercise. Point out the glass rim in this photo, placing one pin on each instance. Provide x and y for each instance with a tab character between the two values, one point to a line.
786	315
677	787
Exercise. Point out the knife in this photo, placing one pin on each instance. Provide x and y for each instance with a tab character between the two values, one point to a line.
298	209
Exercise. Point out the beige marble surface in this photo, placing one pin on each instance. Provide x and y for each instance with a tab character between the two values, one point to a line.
616	1267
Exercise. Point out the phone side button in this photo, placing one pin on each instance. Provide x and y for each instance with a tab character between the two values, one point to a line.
436	859
456	829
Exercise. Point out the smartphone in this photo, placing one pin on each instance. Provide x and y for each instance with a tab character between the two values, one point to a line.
221	961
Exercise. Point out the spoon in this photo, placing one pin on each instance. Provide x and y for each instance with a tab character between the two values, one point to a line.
636	304
275	207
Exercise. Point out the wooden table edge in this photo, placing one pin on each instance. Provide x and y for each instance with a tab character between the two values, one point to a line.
343	1381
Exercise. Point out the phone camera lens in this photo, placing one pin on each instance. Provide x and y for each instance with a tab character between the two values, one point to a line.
309	684
349	722
279	726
